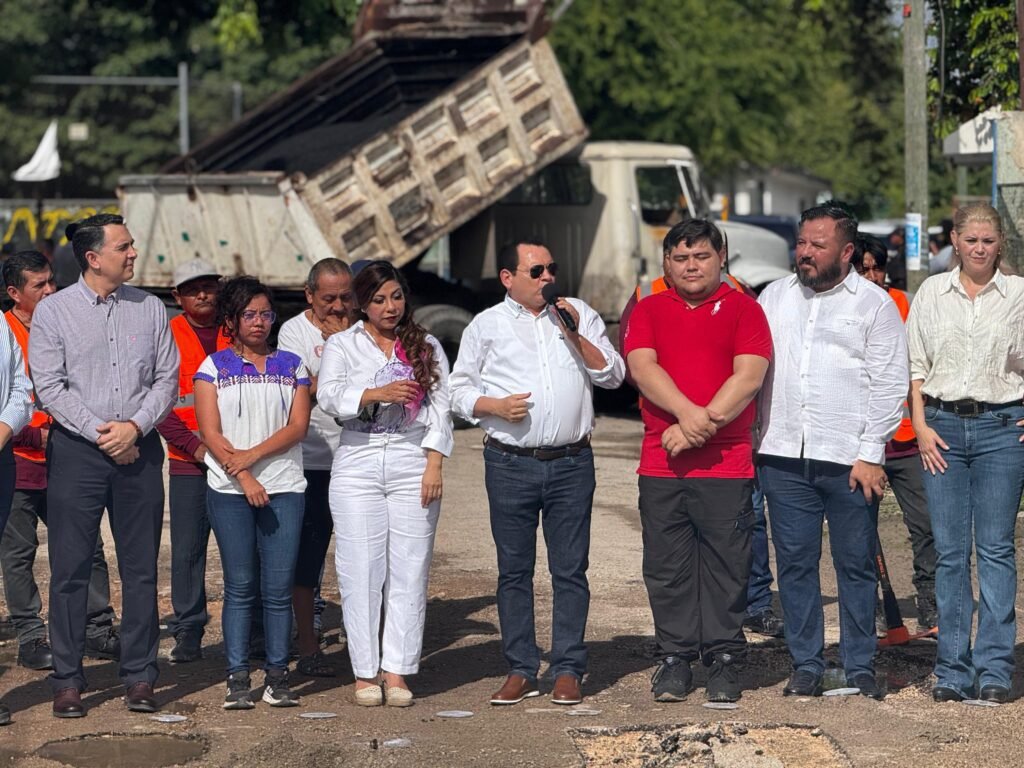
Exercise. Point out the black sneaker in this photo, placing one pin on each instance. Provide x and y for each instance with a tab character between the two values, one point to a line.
187	648
803	683
276	691
106	646
927	611
238	692
672	679
868	686
724	679
765	623
35	654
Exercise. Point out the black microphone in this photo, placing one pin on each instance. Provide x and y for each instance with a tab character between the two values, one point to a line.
551	296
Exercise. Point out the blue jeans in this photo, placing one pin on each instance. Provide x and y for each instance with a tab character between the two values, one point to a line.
981	489
258	548
759	585
560	493
802	493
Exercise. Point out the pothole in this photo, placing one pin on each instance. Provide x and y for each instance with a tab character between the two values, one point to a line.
719	745
123	751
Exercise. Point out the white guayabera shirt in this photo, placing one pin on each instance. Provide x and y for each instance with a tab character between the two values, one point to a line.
962	349
839	375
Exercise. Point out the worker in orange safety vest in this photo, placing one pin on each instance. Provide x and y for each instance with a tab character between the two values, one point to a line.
902	457
28	278
196	335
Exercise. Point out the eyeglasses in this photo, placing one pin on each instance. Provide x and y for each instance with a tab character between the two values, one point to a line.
873	268
538	269
250	315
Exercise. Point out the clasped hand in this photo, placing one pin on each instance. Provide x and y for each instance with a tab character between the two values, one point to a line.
117	440
694	429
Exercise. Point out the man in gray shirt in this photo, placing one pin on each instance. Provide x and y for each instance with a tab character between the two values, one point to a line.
105	367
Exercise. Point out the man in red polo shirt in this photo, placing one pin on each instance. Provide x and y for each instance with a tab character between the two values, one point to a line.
698	354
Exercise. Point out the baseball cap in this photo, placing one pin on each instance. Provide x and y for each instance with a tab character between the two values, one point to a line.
193	269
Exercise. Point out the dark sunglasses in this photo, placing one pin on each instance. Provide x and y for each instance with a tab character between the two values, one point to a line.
538	269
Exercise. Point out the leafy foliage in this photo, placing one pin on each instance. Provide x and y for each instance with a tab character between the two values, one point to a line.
812	85
263	46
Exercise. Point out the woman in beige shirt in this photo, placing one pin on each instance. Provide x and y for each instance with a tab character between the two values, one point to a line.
966	339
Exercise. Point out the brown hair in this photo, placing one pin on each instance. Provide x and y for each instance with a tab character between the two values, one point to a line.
411	334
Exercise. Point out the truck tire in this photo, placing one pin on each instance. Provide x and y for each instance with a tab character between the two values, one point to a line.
446	323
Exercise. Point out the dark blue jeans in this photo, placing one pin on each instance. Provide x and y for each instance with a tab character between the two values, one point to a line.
559	493
802	494
976	498
258	547
190	537
759	585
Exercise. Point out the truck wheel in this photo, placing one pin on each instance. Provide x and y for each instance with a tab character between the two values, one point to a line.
446	323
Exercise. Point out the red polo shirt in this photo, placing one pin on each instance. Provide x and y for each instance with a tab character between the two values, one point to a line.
696	347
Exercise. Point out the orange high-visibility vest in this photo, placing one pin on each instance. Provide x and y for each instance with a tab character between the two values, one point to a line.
906	431
192	356
39	419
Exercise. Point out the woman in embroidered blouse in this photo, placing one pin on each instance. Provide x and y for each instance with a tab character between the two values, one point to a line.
386	381
966	340
252	405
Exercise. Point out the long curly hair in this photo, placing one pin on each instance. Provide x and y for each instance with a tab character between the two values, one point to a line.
411	334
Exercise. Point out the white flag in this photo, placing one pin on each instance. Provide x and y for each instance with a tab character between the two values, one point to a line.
45	163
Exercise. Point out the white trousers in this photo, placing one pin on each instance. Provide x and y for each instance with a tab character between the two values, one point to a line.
383	541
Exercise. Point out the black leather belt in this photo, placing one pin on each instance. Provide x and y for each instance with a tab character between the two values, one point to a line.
967	409
544	453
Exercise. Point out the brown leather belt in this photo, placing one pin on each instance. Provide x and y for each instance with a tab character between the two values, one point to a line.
967	409
544	453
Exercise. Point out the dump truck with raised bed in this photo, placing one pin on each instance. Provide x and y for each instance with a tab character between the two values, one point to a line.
445	129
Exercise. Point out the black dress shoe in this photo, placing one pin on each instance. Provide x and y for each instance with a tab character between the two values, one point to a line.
35	654
803	683
994	693
868	686
187	648
942	693
106	646
67	702
765	623
139	698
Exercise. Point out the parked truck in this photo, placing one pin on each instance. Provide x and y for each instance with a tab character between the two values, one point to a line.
444	131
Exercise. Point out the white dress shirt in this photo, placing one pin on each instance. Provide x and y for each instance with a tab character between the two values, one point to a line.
508	350
352	363
839	375
962	349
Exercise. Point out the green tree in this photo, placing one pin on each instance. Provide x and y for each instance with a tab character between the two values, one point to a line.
773	83
263	46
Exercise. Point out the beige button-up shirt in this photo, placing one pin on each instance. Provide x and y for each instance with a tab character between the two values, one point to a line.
962	349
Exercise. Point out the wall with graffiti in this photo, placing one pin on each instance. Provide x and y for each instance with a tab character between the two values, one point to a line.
22	223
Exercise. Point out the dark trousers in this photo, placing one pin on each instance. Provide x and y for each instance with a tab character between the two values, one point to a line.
696	536
190	538
8	474
317	527
802	494
82	482
558	493
907	483
18	556
759	586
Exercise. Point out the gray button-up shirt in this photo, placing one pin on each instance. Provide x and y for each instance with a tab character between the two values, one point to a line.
94	361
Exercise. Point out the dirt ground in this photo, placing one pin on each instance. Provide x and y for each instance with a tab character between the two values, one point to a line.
618	723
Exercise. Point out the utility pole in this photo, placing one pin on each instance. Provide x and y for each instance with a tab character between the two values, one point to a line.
1020	51
915	153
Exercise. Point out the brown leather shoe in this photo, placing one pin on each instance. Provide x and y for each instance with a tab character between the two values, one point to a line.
139	698
515	689
567	690
67	702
